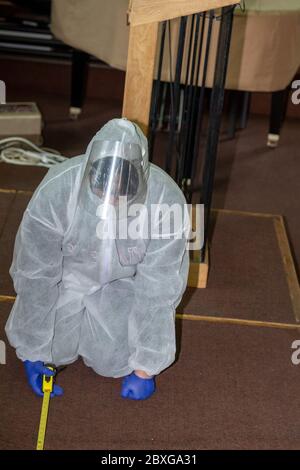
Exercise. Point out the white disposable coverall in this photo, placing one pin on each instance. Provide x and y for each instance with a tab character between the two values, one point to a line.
112	304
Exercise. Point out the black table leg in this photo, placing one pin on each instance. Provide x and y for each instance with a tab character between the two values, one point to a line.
245	107
216	107
238	113
278	109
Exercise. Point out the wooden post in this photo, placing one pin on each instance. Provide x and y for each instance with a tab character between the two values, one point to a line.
198	273
139	74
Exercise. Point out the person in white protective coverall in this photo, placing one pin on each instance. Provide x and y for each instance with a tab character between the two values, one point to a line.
83	292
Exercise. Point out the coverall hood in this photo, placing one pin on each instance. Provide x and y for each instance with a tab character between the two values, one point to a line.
123	130
115	171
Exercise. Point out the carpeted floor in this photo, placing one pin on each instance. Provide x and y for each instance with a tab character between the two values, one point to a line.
232	386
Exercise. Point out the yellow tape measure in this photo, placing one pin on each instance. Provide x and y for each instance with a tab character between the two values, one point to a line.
47	389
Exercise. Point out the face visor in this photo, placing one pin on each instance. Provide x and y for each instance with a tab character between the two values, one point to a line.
114	179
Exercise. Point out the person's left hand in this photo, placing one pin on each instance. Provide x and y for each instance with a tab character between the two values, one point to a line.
137	388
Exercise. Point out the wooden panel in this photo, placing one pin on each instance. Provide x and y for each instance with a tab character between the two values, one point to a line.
198	272
148	11
139	74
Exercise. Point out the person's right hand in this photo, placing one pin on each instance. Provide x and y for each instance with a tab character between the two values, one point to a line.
34	373
137	388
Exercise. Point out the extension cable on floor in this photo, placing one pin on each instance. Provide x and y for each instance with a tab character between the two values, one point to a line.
20	151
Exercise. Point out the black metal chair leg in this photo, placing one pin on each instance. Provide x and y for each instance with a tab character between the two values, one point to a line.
278	107
233	113
78	82
216	106
245	107
239	104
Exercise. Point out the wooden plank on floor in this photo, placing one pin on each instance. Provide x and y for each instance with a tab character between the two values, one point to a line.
7	298
244	213
238	321
14	191
289	266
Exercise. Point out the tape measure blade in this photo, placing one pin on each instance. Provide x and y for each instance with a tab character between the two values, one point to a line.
43	421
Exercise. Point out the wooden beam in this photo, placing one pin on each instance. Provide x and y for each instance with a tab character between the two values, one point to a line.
149	11
139	74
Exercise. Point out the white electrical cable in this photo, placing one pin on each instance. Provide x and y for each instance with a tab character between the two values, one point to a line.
20	151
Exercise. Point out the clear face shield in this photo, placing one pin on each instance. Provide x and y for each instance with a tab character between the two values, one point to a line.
114	179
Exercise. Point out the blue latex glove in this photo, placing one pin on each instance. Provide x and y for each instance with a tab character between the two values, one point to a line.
35	372
136	388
